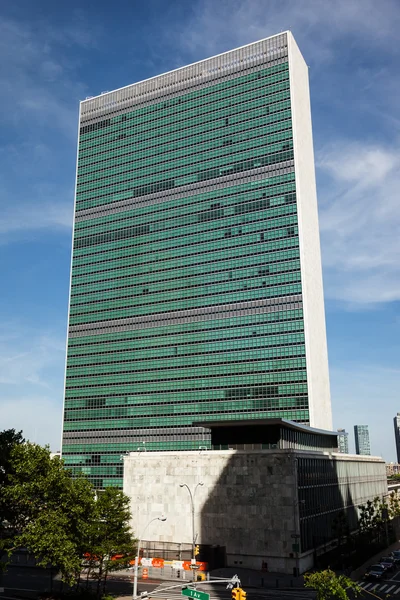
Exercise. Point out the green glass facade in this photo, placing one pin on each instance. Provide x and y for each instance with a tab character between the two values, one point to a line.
186	291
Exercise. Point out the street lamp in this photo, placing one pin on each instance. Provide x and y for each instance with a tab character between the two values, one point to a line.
136	569
192	506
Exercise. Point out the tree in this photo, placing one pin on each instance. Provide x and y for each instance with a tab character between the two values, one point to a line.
111	540
53	511
394	504
61	520
329	585
9	438
374	518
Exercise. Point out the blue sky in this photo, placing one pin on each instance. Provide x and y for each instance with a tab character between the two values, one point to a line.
54	54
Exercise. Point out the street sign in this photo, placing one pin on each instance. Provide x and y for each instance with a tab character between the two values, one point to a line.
295	535
195	594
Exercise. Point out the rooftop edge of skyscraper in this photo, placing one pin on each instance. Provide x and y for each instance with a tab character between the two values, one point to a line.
204	60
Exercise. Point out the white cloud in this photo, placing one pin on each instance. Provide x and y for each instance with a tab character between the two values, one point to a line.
31	367
35	215
35	84
39	116
358	163
360	221
217	26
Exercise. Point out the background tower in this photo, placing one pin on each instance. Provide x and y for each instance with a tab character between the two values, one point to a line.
396	422
343	441
361	438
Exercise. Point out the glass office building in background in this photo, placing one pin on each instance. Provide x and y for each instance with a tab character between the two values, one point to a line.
396	423
361	438
196	286
343	441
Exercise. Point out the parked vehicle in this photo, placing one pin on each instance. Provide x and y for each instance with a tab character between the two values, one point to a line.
396	557
387	562
375	572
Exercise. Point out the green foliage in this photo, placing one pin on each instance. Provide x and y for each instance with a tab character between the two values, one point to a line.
394	505
374	518
59	519
110	533
52	509
8	440
329	585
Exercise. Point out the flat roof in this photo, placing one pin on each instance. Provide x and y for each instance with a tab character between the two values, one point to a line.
209	58
254	422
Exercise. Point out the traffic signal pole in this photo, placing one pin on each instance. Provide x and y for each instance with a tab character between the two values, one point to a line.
231	583
238	593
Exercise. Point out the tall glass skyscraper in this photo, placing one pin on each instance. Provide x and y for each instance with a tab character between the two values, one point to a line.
196	287
396	423
361	438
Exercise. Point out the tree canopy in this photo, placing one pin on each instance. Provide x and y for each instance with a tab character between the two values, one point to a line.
59	518
328	585
9	439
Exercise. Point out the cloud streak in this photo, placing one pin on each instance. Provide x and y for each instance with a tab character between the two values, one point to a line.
31	364
360	221
39	116
214	27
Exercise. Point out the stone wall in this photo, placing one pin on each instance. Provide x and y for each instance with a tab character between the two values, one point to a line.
245	503
248	502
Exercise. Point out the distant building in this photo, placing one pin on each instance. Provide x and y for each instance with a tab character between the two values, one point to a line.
392	469
343	441
396	422
361	436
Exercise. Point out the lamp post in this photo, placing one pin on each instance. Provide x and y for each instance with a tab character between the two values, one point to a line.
135	573
192	496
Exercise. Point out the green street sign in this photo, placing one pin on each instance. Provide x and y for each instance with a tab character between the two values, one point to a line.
195	594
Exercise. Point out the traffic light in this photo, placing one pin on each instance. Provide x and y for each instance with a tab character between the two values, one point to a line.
243	594
235	594
196	550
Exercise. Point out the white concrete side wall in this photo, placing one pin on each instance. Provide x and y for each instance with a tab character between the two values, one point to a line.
246	503
310	250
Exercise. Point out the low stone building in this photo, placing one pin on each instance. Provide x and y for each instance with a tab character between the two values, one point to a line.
392	469
263	505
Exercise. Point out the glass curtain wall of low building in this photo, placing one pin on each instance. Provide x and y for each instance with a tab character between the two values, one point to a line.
186	292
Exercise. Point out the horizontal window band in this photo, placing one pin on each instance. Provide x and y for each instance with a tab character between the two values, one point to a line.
184	316
286	173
